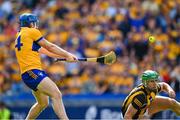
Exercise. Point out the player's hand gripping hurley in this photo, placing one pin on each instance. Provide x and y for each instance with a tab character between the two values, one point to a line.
108	59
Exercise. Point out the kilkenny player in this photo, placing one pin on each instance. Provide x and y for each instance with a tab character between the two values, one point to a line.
28	46
142	101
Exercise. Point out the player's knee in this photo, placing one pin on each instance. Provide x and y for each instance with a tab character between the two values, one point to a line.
172	102
44	104
57	95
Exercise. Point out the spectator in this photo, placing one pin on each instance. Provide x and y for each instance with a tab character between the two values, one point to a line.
175	79
92	28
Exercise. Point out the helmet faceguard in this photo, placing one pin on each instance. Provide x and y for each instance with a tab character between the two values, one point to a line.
27	19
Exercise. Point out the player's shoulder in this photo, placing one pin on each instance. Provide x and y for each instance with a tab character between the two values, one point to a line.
34	30
140	95
140	92
27	30
140	88
139	100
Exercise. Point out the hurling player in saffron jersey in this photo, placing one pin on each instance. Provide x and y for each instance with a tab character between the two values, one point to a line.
29	43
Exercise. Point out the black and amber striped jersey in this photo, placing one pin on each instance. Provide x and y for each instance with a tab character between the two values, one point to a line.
140	100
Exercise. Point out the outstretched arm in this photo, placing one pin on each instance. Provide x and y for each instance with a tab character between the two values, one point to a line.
56	51
166	88
48	53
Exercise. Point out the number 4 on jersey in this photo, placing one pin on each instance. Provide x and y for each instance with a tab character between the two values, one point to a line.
19	44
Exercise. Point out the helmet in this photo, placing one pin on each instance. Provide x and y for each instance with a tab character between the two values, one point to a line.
149	75
27	18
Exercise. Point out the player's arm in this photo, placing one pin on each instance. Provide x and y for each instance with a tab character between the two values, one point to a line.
37	37
55	50
166	88
138	103
48	53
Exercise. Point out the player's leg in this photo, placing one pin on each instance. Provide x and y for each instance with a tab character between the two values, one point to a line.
164	103
42	102
48	87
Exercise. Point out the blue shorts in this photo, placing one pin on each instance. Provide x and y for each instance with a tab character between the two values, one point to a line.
33	77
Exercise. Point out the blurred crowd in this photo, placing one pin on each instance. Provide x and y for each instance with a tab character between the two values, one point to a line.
90	28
